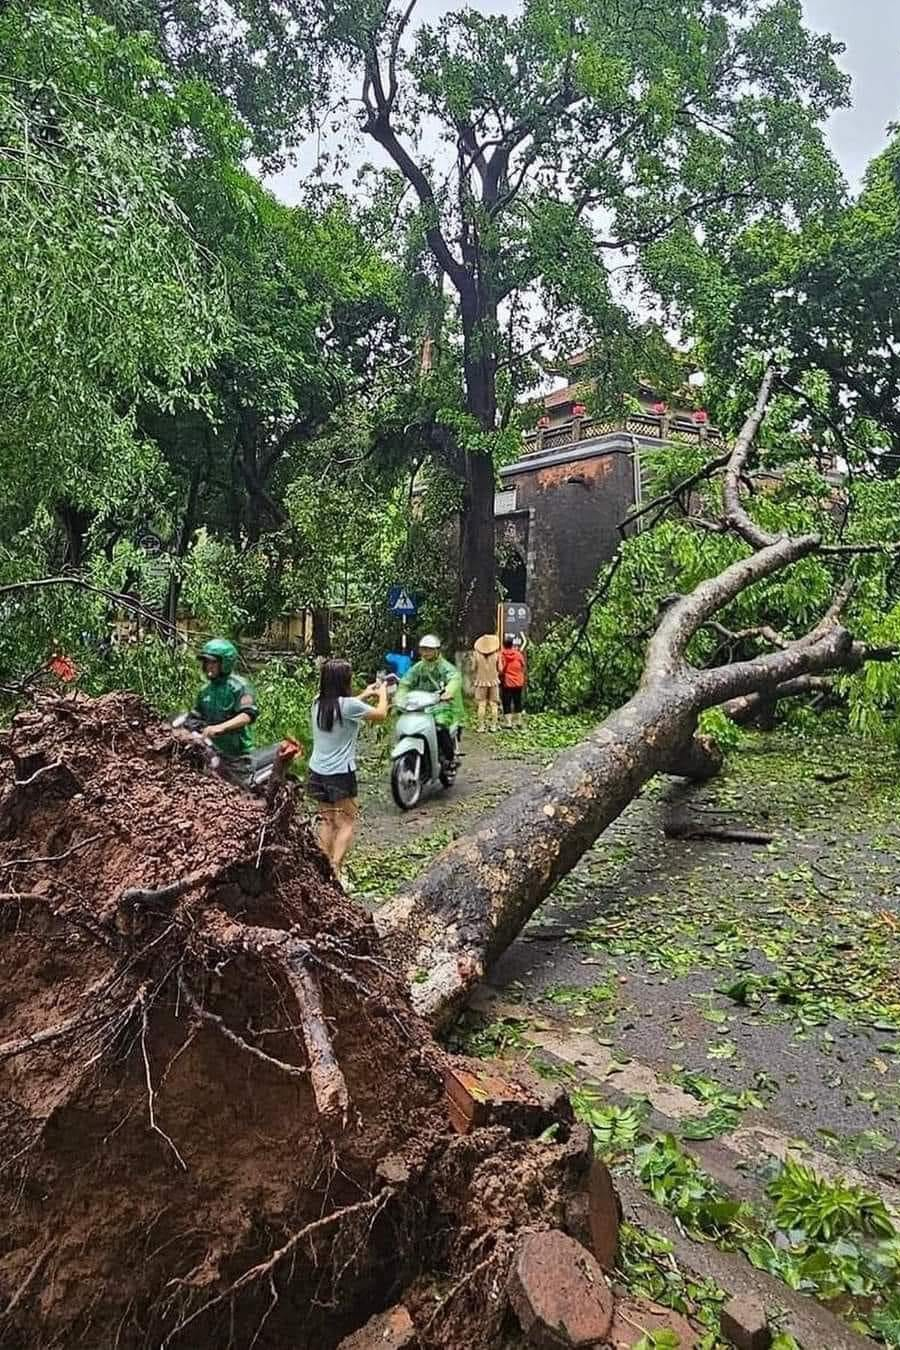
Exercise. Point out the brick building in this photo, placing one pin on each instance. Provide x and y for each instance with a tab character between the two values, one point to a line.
559	506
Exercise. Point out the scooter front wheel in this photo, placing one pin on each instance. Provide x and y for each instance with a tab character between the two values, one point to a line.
406	780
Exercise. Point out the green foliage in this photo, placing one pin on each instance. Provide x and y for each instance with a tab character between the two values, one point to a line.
472	1035
659	1340
825	1210
649	1269
825	1238
676	1182
600	667
108	297
818	294
713	722
725	1108
616	1130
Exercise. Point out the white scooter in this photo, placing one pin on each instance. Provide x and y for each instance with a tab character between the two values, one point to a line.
417	766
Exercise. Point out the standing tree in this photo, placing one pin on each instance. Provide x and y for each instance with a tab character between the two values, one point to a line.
823	295
565	136
543	151
108	298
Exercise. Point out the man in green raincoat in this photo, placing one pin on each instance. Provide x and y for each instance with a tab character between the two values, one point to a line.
226	704
433	674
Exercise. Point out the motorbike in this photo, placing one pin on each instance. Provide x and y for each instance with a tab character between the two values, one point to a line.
417	766
254	771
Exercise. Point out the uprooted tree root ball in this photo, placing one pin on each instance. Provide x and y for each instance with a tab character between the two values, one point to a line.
222	1122
203	1058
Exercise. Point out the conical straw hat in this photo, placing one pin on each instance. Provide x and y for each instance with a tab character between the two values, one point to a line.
487	644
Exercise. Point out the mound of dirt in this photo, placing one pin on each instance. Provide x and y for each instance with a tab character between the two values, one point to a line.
201	1054
221	1123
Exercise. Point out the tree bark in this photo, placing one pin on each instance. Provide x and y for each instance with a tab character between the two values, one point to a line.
477	595
321	631
449	926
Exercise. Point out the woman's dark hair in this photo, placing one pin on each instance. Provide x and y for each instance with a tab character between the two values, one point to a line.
508	641
334	684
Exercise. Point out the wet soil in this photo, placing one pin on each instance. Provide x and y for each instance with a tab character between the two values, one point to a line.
221	1124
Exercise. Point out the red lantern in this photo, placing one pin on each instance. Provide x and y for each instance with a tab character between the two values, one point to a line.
543	422
701	415
578	410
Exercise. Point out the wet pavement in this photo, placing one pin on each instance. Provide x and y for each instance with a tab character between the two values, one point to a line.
634	951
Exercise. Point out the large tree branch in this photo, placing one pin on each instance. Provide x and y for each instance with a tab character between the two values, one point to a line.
735	515
448	926
400	29
665	653
378	126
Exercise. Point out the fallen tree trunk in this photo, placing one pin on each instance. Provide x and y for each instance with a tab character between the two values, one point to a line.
457	918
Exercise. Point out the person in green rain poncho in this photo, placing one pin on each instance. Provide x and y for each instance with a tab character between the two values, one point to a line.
226	704
435	675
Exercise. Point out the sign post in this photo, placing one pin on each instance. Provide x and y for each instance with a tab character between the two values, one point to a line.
515	620
403	605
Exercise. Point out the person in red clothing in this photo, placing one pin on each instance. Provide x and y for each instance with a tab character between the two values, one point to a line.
512	682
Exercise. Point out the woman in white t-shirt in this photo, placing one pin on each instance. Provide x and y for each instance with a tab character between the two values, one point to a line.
336	718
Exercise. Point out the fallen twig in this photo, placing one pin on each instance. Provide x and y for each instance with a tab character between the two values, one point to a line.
727	834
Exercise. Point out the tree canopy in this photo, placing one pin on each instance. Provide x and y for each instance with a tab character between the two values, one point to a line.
291	405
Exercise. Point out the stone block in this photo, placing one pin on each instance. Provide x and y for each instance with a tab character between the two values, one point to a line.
745	1324
559	1294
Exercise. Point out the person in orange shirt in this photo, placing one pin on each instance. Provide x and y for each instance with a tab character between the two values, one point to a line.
512	682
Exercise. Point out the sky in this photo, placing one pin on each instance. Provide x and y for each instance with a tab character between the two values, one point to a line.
870	30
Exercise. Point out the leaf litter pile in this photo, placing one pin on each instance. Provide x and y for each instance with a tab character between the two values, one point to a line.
222	1124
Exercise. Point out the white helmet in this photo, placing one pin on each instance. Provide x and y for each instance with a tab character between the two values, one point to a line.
430	642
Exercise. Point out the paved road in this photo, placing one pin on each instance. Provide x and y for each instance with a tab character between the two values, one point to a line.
634	948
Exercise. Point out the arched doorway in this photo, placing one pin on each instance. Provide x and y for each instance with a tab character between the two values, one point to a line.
513	578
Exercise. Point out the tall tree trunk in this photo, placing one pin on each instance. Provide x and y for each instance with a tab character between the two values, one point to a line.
75	523
321	631
477	595
186	532
461	914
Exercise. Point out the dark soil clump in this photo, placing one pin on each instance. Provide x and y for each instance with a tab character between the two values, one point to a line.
160	1133
222	1124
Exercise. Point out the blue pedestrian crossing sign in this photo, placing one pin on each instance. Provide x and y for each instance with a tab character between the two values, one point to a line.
402	602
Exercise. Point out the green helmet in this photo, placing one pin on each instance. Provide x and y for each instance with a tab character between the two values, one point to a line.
221	650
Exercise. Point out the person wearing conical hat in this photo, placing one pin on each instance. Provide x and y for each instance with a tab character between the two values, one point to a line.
487	680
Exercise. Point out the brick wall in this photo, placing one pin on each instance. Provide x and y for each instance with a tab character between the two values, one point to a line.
574	511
